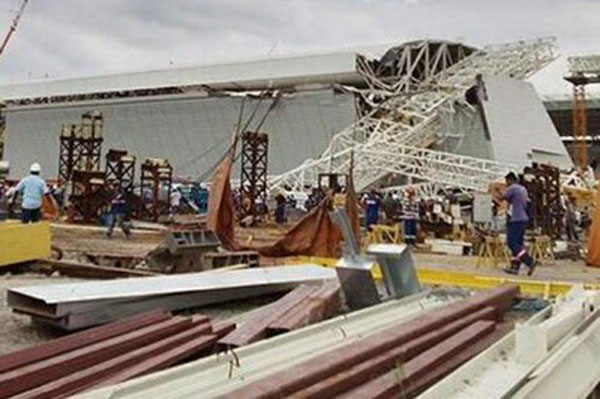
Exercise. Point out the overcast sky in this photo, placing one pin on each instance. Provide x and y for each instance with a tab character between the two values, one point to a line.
68	38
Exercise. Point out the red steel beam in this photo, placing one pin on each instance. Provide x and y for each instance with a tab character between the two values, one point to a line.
395	384
383	363
311	371
35	374
418	385
223	328
91	376
74	341
320	305
255	329
169	358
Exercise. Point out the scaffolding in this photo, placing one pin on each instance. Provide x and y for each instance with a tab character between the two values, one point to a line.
544	186
156	181
80	146
120	170
583	70
253	182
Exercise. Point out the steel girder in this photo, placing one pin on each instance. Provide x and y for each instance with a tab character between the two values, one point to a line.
390	137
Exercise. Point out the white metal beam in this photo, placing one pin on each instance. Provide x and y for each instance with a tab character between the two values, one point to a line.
413	119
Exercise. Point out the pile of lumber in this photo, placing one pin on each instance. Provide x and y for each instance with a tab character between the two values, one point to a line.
107	355
304	305
84	304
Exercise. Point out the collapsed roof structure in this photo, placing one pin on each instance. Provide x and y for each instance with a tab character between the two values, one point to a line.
434	111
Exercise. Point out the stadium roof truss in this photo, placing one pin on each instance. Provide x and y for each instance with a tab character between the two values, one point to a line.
404	115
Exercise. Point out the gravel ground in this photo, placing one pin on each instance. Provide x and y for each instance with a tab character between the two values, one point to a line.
16	331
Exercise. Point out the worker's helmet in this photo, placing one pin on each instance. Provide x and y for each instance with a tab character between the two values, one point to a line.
35	168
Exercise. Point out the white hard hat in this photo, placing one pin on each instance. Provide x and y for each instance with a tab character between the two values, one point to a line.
35	168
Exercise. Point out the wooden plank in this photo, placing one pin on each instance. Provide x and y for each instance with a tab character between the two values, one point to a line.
29	376
74	341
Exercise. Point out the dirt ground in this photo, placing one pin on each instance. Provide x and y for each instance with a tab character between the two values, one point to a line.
557	270
17	332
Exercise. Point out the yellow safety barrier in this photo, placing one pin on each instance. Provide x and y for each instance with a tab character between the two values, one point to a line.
23	242
448	278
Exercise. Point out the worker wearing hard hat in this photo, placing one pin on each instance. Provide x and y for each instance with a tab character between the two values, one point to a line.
32	188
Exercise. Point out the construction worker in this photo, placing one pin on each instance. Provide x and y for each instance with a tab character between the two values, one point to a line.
118	214
32	188
411	217
371	203
517	197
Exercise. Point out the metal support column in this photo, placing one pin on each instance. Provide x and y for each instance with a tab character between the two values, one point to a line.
120	170
156	182
253	182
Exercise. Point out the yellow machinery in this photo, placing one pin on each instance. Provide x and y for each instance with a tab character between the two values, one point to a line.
23	242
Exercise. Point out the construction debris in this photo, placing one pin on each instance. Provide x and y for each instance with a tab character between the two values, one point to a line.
336	356
87	270
77	305
105	355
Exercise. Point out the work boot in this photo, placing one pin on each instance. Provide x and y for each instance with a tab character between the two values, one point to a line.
514	267
531	264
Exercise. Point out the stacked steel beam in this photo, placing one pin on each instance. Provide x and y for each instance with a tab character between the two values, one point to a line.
106	355
396	362
302	306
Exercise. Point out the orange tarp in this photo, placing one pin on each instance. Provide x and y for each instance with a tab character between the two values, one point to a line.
593	252
221	211
313	235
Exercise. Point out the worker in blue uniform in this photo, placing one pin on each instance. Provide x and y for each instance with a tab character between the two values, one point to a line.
32	189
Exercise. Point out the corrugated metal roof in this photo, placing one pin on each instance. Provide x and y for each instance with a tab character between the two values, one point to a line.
337	67
193	132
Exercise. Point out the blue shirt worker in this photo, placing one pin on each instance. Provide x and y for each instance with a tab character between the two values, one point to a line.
32	190
118	215
372	204
517	197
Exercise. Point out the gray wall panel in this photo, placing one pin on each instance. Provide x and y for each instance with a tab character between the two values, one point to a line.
519	124
181	129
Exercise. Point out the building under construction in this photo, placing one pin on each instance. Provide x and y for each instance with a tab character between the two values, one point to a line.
187	115
291	281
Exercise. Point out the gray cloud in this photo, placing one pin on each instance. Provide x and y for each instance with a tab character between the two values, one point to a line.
66	38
